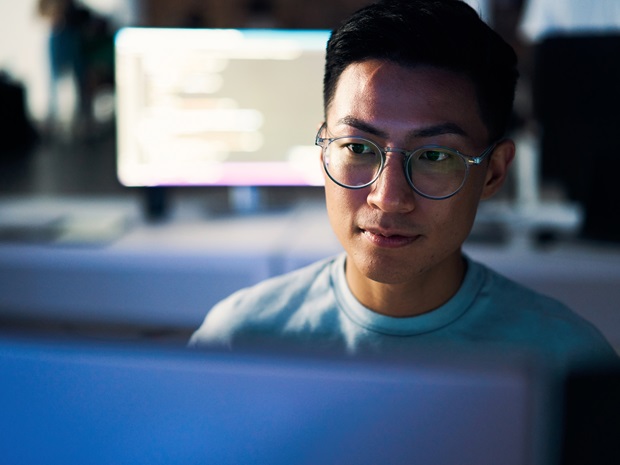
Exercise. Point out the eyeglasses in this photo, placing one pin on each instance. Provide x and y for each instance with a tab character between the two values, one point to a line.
433	171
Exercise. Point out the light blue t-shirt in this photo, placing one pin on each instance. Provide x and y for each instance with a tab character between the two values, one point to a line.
314	307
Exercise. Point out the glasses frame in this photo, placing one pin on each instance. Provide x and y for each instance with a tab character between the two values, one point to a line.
324	142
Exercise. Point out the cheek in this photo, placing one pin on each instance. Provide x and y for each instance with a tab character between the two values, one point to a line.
475	183
464	205
452	219
340	199
342	205
463	216
335	209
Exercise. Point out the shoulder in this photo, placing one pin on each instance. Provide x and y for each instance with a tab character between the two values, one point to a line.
513	296
265	306
283	290
522	314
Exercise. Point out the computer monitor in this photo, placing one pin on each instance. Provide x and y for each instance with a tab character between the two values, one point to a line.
219	107
68	402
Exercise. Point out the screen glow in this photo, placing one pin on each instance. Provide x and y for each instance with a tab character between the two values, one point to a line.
219	106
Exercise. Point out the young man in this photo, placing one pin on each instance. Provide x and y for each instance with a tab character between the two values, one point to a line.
417	95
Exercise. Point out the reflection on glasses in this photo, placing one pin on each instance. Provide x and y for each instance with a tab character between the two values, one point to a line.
433	171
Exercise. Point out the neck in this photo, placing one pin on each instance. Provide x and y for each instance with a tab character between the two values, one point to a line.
426	292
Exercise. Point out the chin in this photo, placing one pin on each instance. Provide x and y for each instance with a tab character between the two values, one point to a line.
386	270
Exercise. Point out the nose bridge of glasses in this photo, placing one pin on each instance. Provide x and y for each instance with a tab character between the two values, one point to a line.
387	150
392	190
391	167
403	152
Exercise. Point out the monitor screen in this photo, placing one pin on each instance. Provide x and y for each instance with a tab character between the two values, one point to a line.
227	107
79	403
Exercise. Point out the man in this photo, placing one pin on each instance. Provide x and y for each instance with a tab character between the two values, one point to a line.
417	95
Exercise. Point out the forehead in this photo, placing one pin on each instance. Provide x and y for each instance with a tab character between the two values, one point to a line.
399	98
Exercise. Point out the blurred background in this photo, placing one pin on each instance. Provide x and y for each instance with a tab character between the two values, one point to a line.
80	253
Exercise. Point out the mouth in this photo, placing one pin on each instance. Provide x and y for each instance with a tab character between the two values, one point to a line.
389	239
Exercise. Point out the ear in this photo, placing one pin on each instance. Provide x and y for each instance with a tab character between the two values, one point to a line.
497	169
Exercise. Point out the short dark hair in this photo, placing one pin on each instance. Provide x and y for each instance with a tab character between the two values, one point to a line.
447	34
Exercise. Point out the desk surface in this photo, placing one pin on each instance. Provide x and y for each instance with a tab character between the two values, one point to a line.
109	266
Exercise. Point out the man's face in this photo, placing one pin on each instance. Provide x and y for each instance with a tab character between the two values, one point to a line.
391	234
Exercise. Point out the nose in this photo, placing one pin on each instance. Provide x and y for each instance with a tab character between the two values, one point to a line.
392	193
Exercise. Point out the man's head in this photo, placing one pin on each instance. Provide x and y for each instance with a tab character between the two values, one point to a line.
446	34
417	92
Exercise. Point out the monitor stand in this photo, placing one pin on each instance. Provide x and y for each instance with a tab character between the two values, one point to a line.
155	203
242	200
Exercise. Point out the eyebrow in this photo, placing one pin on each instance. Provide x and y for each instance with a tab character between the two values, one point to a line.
429	131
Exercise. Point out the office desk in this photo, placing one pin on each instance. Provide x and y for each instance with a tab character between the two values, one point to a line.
167	275
159	275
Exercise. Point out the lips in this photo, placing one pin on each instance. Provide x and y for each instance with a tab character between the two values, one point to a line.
389	238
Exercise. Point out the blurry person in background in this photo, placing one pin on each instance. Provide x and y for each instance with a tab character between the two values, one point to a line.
80	46
575	50
65	54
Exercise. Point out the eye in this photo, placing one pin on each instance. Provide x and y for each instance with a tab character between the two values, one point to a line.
434	155
359	148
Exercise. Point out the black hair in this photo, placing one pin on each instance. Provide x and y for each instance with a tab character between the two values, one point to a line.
446	34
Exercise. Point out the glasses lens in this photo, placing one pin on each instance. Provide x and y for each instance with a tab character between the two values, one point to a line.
436	172
352	161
